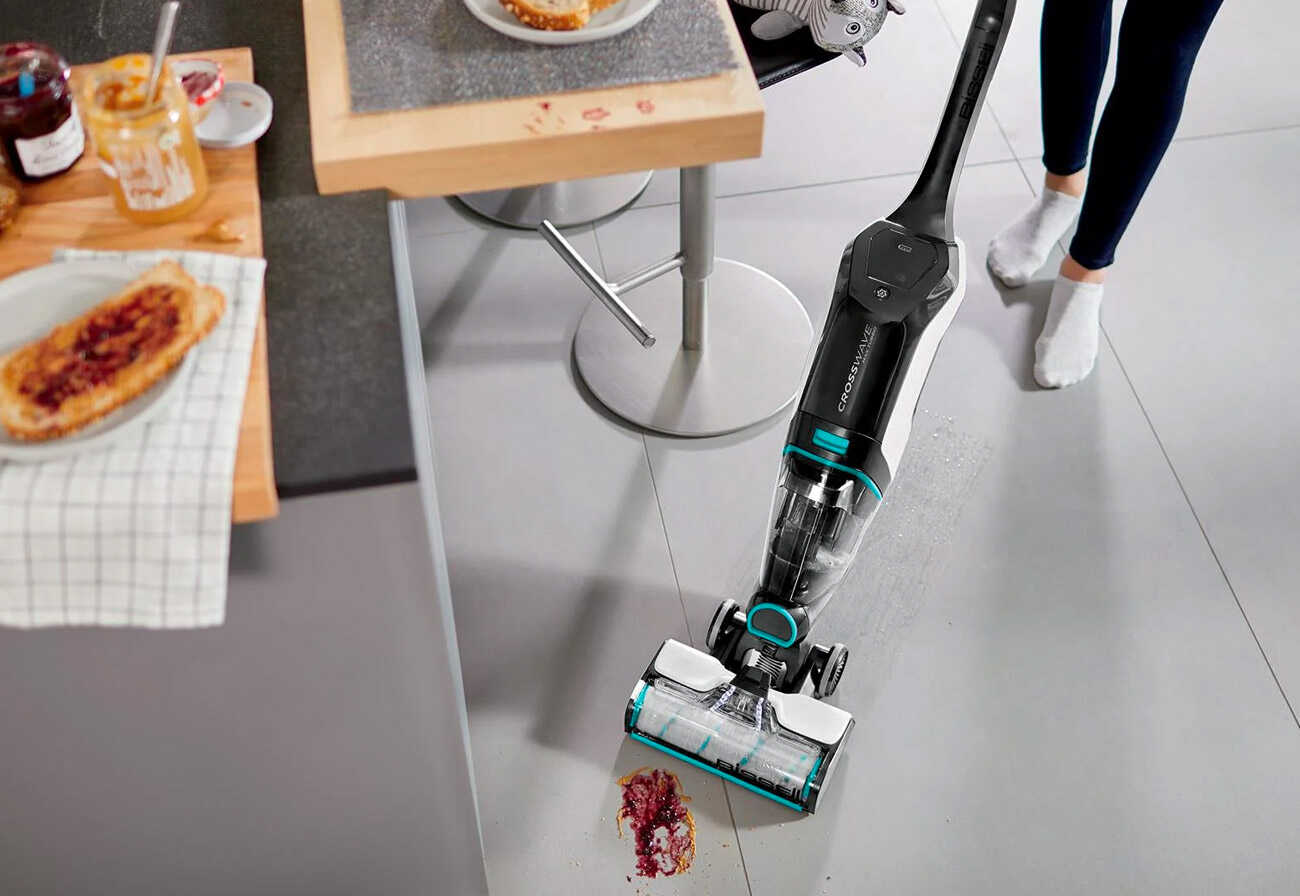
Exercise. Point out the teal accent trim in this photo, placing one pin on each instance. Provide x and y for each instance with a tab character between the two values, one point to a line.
719	772
807	785
640	698
794	628
830	441
830	463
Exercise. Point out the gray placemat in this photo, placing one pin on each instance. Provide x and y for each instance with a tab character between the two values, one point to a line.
408	54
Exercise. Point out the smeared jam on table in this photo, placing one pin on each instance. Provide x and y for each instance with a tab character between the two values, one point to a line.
111	340
654	807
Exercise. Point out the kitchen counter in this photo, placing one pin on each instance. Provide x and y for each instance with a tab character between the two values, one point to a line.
338	397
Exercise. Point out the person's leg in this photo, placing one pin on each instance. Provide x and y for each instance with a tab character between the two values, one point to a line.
1075	43
1158	43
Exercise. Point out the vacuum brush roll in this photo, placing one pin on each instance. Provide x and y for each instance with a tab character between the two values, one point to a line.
705	717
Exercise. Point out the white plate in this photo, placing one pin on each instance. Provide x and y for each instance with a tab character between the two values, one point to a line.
34	302
608	22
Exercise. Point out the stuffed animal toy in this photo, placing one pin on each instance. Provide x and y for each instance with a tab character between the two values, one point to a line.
839	26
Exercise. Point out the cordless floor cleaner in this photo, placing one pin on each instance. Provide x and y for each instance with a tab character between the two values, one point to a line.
739	710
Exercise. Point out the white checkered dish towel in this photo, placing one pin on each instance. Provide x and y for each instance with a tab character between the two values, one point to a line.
138	534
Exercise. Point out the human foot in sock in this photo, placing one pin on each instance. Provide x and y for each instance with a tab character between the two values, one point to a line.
1020	250
1067	348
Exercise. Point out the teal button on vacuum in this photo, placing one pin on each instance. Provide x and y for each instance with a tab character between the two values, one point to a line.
829	441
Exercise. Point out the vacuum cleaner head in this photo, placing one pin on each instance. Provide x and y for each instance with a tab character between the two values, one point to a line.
782	746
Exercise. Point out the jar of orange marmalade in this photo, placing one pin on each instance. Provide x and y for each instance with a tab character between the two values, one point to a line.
146	147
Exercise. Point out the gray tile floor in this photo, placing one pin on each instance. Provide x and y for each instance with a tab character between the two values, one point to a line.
1088	691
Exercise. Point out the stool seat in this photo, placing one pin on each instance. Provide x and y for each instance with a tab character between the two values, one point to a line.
775	60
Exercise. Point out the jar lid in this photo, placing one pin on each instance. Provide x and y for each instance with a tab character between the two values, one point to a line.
239	115
29	72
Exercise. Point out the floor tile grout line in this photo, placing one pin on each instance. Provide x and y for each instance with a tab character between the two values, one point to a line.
677	582
726	793
984	163
1201	526
663	524
825	183
654	485
1194	138
1244	132
600	256
1190	506
1014	157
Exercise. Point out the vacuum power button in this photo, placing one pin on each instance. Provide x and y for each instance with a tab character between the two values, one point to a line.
899	259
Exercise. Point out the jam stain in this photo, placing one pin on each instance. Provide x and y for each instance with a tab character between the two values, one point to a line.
546	107
595	114
645	107
654	807
111	340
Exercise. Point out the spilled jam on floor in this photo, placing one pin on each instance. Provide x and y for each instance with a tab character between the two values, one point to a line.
654	807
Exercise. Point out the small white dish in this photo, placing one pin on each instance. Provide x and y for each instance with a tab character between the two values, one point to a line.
237	117
34	302
607	23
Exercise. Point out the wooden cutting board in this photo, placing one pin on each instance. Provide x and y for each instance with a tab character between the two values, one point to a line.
75	210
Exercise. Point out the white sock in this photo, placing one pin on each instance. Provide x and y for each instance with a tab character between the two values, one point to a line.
1022	248
1067	348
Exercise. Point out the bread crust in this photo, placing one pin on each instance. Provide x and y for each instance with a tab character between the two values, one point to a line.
548	20
536	16
199	308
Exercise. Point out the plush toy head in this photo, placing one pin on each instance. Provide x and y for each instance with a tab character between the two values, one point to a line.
841	26
845	26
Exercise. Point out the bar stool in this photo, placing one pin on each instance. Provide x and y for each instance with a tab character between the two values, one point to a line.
732	356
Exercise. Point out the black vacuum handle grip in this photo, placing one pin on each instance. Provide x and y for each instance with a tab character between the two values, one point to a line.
928	209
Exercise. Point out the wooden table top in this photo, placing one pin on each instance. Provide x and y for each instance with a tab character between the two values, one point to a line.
466	147
75	210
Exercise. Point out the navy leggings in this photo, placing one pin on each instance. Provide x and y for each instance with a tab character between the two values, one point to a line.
1158	42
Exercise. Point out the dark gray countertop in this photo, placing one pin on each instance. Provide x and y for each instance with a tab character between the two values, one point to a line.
338	395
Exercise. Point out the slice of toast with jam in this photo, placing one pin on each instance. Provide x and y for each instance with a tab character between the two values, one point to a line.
556	15
95	363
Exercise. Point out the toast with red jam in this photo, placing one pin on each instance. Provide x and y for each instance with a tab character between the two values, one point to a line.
556	15
94	364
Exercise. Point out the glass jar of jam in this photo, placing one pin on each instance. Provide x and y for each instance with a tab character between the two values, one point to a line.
146	146
39	128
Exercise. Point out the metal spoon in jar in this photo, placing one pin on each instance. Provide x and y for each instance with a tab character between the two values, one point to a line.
162	41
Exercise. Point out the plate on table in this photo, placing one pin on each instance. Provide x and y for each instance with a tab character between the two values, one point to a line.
34	302
608	22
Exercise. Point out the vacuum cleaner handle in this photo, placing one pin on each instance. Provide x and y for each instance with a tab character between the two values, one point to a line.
928	208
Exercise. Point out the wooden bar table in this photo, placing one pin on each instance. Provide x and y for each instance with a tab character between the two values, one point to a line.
468	147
